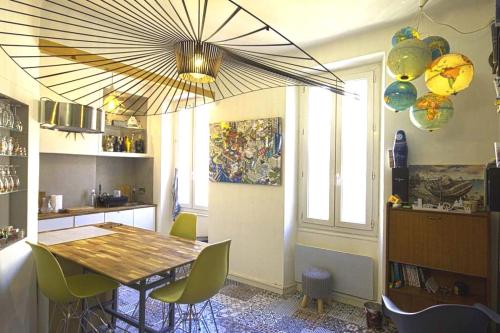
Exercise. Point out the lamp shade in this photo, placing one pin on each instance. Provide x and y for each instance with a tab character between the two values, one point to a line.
404	34
431	112
438	45
449	74
408	59
197	62
399	96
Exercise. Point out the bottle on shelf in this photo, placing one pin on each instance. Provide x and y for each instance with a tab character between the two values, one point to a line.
132	143
139	145
127	144
116	144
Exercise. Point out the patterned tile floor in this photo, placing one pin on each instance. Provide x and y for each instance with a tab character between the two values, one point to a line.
243	309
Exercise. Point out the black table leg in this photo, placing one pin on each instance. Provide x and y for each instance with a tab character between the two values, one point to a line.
114	306
142	306
171	306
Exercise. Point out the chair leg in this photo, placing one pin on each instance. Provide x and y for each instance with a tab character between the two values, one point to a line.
190	317
304	302
213	316
321	308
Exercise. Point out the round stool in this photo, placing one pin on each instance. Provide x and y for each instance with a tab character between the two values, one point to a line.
316	284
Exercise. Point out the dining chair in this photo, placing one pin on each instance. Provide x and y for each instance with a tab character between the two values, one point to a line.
70	292
441	318
207	277
184	226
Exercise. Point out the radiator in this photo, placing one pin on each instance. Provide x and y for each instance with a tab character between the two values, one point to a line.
352	274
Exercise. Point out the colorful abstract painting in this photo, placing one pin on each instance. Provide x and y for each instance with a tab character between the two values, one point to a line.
247	152
436	184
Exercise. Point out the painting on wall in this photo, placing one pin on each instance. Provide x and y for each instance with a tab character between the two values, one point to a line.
436	184
247	152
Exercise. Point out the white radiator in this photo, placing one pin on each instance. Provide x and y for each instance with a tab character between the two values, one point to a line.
352	274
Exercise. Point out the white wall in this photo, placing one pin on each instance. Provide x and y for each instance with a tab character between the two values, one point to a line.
18	301
251	215
467	139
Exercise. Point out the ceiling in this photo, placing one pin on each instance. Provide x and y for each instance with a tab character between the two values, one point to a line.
310	22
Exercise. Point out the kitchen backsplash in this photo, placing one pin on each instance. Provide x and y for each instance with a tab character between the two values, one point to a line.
73	175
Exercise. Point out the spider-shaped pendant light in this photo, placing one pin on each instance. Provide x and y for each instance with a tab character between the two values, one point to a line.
171	53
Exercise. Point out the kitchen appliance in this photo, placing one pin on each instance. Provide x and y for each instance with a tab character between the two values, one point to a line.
56	202
70	117
91	198
107	200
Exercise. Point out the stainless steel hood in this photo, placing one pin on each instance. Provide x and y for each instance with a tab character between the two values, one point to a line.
70	117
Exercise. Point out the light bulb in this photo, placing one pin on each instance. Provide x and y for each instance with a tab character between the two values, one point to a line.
198	61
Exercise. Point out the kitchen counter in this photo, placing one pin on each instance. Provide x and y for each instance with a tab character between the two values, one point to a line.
46	216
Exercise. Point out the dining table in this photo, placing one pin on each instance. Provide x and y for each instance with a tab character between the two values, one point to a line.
134	257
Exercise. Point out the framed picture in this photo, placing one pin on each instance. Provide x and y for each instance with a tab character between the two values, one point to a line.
436	184
247	152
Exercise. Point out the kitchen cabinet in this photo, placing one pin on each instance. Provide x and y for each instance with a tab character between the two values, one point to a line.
124	217
57	142
56	224
89	219
145	218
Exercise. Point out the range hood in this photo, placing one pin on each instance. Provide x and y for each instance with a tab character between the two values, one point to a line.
70	117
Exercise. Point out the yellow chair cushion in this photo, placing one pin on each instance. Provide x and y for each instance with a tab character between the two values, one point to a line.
89	285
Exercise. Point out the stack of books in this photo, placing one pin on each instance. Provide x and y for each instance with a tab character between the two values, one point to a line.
409	275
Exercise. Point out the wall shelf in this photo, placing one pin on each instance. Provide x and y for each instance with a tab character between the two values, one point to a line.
10	129
20	156
11	192
130	129
131	155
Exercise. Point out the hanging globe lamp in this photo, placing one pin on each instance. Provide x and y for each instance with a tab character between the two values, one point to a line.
449	74
431	112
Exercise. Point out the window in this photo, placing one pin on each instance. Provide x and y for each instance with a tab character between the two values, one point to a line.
338	186
191	157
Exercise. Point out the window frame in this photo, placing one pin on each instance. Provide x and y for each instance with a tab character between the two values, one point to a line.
191	206
333	224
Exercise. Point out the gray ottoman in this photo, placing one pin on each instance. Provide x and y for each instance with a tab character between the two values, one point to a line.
316	284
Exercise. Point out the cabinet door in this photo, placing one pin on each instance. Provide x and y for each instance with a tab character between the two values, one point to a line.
145	218
57	143
451	242
124	217
89	219
55	224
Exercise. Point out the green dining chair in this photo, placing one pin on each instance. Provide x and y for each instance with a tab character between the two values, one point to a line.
184	226
70	292
207	277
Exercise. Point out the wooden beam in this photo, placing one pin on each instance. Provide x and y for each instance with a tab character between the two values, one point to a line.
109	65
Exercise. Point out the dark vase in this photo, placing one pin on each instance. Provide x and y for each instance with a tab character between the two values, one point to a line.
400	150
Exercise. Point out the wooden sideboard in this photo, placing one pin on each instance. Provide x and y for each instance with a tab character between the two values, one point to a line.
449	247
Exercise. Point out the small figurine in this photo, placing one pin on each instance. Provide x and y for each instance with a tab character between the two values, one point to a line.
400	150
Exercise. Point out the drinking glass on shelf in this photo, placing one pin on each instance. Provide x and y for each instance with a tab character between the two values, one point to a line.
17	123
2	185
3	180
10	146
1	114
9	179
15	178
7	116
3	145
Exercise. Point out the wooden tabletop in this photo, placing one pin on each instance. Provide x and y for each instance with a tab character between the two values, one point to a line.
130	254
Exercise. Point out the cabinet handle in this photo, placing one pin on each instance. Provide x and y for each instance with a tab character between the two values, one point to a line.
434	218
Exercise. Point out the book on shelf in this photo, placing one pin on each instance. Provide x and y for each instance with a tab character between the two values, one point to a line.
408	275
